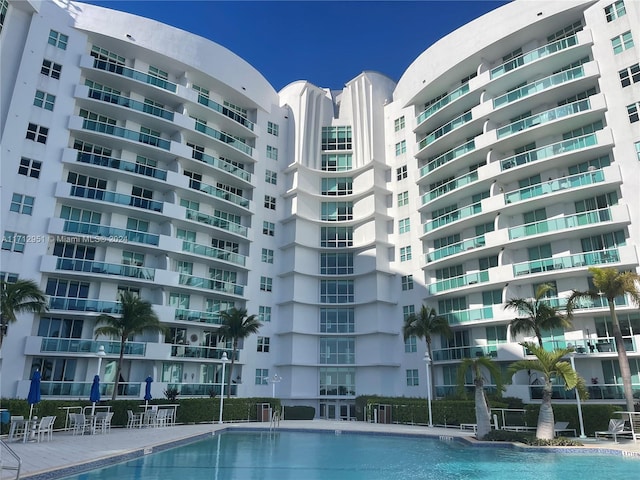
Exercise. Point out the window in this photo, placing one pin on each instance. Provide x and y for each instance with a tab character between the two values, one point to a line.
336	237
58	39
4	7
264	313
266	284
60	328
411	344
336	263
412	377
337	320
179	300
408	310
272	152
622	42
104	55
336	138
269	202
189	204
637	144
51	69
632	111
262	376
407	282
337	186
273	128
13	242
263	344
398	124
9	277
37	133
337	381
615	10
156	72
44	100
404	225
401	172
267	255
29	168
57	287
22	204
405	253
401	147
337	351
242	111
337	291
403	199
629	75
271	177
336	211
336	162
269	228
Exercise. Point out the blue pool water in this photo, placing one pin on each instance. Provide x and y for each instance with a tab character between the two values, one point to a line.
327	456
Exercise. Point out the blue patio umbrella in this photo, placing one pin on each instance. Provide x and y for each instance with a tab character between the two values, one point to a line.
147	389
34	391
94	396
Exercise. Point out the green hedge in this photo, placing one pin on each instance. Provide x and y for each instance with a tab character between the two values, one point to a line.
300	412
595	417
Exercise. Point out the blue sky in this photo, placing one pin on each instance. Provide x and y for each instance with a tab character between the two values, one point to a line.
327	43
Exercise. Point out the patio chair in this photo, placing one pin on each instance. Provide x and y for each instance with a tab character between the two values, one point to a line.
634	420
162	417
18	427
79	423
45	428
616	428
102	422
560	427
134	420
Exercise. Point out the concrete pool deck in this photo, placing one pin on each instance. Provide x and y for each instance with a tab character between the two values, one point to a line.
68	453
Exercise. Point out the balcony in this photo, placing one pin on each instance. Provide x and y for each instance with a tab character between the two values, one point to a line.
110	233
82	389
90	266
217	253
453	216
235	116
223	165
224	138
211	284
216	222
135	75
557	185
123	165
563	223
84	305
126	134
549	151
132	104
469	315
218	193
454	184
198	316
446	128
191	351
431	109
456	248
73	345
587	259
113	197
460	281
447	157
459	353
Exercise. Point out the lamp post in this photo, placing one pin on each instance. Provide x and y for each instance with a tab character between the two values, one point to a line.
427	362
275	379
100	354
573	365
224	359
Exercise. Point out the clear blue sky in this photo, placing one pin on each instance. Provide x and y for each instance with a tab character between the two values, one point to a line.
327	43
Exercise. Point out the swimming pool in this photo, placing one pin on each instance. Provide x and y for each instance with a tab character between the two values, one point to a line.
286	455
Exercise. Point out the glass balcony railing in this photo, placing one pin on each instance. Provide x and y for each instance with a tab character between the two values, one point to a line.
562	223
212	252
203	389
130	103
538	86
216	222
192	351
446	128
84	305
587	259
135	75
218	193
117	234
83	389
455	248
458	353
431	109
123	165
223	165
211	284
223	137
601	391
457	282
557	185
584	303
113	197
533	55
91	346
544	117
227	112
453	216
198	316
469	315
549	151
126	134
447	157
450	186
91	266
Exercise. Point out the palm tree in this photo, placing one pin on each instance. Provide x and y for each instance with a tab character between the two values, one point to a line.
552	367
21	296
610	283
540	315
478	367
237	325
137	317
424	325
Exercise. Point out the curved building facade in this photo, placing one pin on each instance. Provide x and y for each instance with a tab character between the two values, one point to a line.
140	157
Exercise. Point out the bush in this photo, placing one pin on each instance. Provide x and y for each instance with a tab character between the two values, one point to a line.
299	412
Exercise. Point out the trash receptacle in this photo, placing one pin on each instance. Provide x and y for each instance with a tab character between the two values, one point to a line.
5	416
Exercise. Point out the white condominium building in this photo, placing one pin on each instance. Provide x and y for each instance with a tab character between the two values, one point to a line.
139	157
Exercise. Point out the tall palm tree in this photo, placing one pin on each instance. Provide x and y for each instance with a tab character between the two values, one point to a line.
237	325
539	315
552	367
424	325
479	366
21	296
610	283
137	317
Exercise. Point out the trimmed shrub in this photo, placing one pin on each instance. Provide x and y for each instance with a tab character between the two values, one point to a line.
300	412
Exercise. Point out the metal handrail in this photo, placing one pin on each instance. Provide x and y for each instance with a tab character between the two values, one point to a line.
15	456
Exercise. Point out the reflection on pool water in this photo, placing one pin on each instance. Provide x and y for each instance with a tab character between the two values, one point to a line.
286	455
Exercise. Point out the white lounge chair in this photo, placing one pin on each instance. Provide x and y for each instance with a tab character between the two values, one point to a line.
134	420
616	428
18	427
560	427
45	428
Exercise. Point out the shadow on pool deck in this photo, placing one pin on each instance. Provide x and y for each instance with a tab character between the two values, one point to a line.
68	454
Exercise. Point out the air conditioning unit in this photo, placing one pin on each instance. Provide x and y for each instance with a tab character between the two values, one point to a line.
194	339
